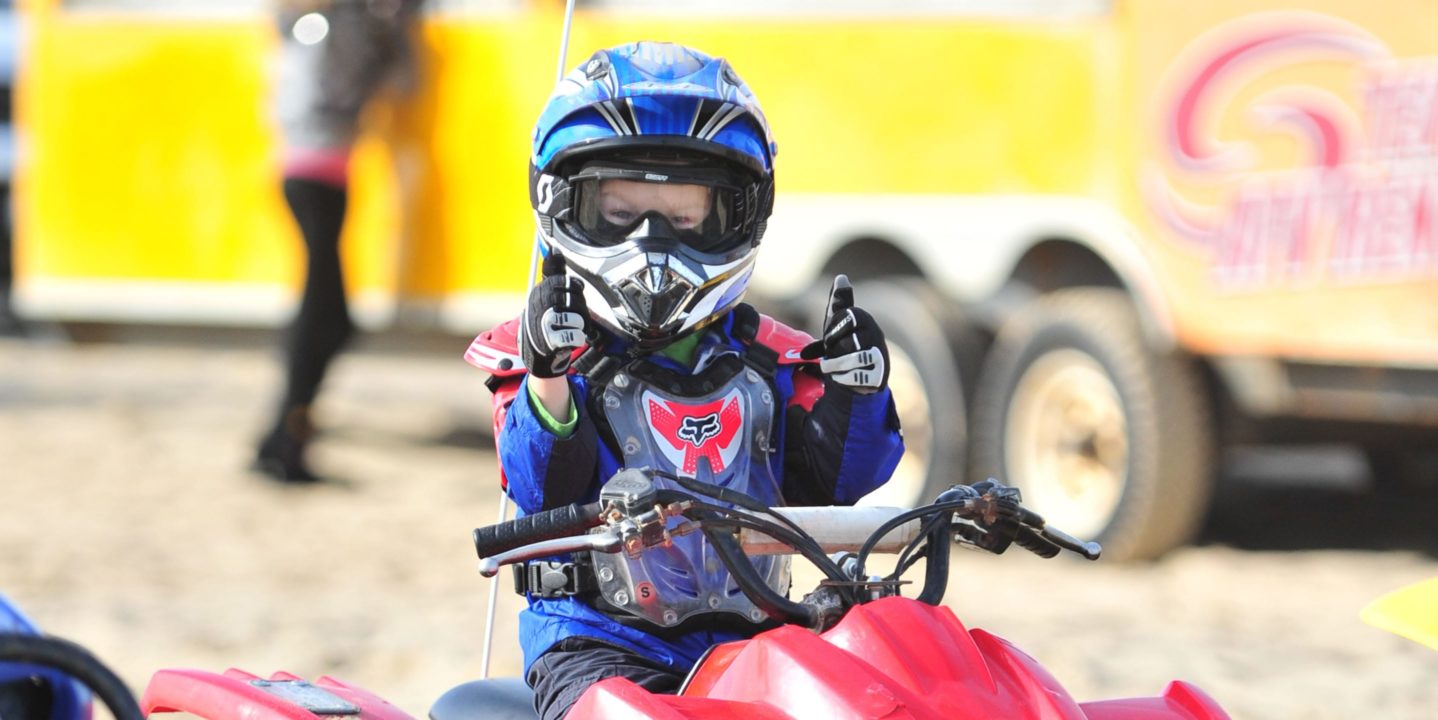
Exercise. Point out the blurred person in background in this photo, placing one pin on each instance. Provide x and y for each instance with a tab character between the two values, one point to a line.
10	324
336	56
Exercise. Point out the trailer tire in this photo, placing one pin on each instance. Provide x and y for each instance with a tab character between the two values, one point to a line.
1107	439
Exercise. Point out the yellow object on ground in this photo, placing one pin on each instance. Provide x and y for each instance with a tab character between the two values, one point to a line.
1411	611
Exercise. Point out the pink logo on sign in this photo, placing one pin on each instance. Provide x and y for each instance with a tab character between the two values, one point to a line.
1296	148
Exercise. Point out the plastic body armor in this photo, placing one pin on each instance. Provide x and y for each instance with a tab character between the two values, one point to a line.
716	426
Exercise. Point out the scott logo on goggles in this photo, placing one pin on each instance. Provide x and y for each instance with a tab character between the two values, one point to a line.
698	430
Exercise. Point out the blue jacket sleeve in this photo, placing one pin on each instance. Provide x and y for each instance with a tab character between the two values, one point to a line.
872	446
842	448
544	470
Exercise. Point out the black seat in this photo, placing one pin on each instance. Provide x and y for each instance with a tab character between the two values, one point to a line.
492	699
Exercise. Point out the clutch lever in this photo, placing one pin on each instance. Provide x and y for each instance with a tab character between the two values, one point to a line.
598	542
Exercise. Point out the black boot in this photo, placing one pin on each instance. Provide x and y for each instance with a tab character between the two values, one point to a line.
281	455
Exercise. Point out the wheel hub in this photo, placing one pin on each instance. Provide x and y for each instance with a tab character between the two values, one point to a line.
1066	441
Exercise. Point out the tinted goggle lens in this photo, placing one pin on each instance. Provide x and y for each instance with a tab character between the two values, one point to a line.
612	210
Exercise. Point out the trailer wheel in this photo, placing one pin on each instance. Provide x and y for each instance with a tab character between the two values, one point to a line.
928	345
1106	439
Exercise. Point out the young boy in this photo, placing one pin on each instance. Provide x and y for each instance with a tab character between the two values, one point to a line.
652	179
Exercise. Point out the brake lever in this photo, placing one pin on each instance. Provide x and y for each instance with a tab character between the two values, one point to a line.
1031	540
1087	548
1045	535
598	542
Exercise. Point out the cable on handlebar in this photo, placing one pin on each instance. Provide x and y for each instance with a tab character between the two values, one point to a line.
908	557
733	497
942	509
936	567
933	537
764	597
799	541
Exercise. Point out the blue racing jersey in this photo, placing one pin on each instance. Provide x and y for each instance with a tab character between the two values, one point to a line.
832	446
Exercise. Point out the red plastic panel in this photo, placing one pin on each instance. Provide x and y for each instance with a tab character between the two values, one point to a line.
620	699
894	658
233	696
1180	701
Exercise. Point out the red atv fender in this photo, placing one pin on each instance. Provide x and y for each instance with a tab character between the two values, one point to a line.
892	658
239	695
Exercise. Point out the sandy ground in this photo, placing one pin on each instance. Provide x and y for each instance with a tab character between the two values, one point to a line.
128	523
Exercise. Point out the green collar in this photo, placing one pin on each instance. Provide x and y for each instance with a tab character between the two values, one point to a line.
682	350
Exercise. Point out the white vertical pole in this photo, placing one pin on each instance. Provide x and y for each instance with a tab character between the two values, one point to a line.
493	599
528	279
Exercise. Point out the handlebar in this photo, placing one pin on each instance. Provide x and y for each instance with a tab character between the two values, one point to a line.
836	529
541	526
634	515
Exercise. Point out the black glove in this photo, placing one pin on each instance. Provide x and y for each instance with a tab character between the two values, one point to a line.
852	351
555	322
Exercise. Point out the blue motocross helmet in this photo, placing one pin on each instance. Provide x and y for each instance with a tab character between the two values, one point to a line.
652	174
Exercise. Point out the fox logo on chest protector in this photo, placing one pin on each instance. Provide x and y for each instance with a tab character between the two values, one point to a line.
709	430
698	429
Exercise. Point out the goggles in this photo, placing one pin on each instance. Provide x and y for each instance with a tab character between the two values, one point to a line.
612	203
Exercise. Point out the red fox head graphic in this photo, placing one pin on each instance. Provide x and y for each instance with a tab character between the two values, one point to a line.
709	430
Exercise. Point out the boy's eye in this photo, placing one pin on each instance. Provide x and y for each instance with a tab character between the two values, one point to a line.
620	217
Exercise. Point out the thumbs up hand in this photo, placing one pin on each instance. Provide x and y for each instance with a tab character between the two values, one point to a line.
852	351
555	321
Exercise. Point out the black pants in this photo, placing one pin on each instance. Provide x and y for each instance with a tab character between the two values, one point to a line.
566	670
322	325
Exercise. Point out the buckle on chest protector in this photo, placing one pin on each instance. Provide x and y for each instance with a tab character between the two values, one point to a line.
546	578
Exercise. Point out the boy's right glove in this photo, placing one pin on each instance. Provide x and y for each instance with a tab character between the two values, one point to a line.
555	322
852	351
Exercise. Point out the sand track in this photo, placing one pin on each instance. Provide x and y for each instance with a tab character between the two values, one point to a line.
127	523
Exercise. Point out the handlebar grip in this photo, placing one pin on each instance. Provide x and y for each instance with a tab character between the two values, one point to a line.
560	522
1031	518
1035	543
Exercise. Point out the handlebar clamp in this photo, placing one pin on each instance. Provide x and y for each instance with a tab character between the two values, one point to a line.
547	578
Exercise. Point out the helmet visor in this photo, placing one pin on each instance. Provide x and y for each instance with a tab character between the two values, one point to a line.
612	205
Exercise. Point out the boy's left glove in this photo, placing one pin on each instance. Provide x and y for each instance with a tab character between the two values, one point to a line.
852	351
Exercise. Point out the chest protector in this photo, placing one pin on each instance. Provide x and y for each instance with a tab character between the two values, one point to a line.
717	426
